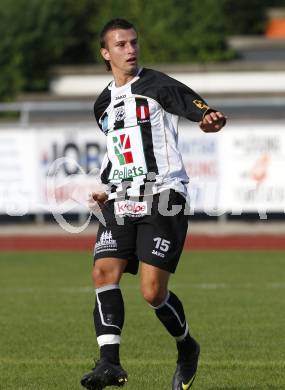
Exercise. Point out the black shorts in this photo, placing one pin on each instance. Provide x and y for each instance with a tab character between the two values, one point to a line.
151	231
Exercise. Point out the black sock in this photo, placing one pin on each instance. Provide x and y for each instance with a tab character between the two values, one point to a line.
186	347
171	313
108	321
110	352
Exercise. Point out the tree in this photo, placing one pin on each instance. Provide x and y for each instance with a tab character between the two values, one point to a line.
38	34
171	30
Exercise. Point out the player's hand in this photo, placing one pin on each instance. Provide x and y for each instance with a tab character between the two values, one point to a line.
213	122
99	197
96	200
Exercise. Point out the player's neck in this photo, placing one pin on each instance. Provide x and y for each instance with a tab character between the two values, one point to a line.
122	78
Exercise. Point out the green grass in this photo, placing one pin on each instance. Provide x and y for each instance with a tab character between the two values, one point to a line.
234	303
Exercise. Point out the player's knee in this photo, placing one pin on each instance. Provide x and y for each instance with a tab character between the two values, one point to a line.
97	275
101	277
108	271
154	294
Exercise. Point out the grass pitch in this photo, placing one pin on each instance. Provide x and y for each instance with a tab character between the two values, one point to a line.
234	303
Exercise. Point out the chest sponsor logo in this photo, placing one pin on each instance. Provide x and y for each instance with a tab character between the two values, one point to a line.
120	113
122	149
130	208
143	114
125	151
106	243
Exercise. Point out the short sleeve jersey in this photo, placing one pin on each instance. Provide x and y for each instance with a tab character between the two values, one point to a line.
140	121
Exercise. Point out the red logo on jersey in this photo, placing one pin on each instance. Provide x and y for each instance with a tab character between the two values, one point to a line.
143	113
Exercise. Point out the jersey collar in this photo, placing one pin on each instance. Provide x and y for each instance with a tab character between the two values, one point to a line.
113	87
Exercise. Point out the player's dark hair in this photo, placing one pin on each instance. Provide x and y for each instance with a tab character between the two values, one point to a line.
114	24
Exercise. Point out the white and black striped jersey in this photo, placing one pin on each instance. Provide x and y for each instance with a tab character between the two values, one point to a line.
140	120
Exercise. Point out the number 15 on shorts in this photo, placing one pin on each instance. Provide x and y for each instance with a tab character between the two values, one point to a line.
161	244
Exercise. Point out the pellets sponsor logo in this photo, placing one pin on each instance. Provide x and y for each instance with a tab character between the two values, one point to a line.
126	153
127	173
200	104
130	208
122	148
123	152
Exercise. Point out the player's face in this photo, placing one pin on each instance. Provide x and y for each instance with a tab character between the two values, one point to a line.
122	50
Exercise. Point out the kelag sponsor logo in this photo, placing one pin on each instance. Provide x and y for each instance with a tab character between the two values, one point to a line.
131	208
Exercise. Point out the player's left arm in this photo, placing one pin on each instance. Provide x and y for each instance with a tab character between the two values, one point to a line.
177	98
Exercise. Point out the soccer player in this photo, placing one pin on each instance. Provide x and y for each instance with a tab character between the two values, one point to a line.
144	206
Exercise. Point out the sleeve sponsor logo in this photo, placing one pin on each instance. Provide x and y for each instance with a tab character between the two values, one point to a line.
200	104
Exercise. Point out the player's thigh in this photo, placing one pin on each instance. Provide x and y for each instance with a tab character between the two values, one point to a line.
115	246
160	238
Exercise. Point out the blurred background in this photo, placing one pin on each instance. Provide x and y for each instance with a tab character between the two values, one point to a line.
231	52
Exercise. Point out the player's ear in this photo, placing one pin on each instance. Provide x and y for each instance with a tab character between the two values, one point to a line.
105	53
